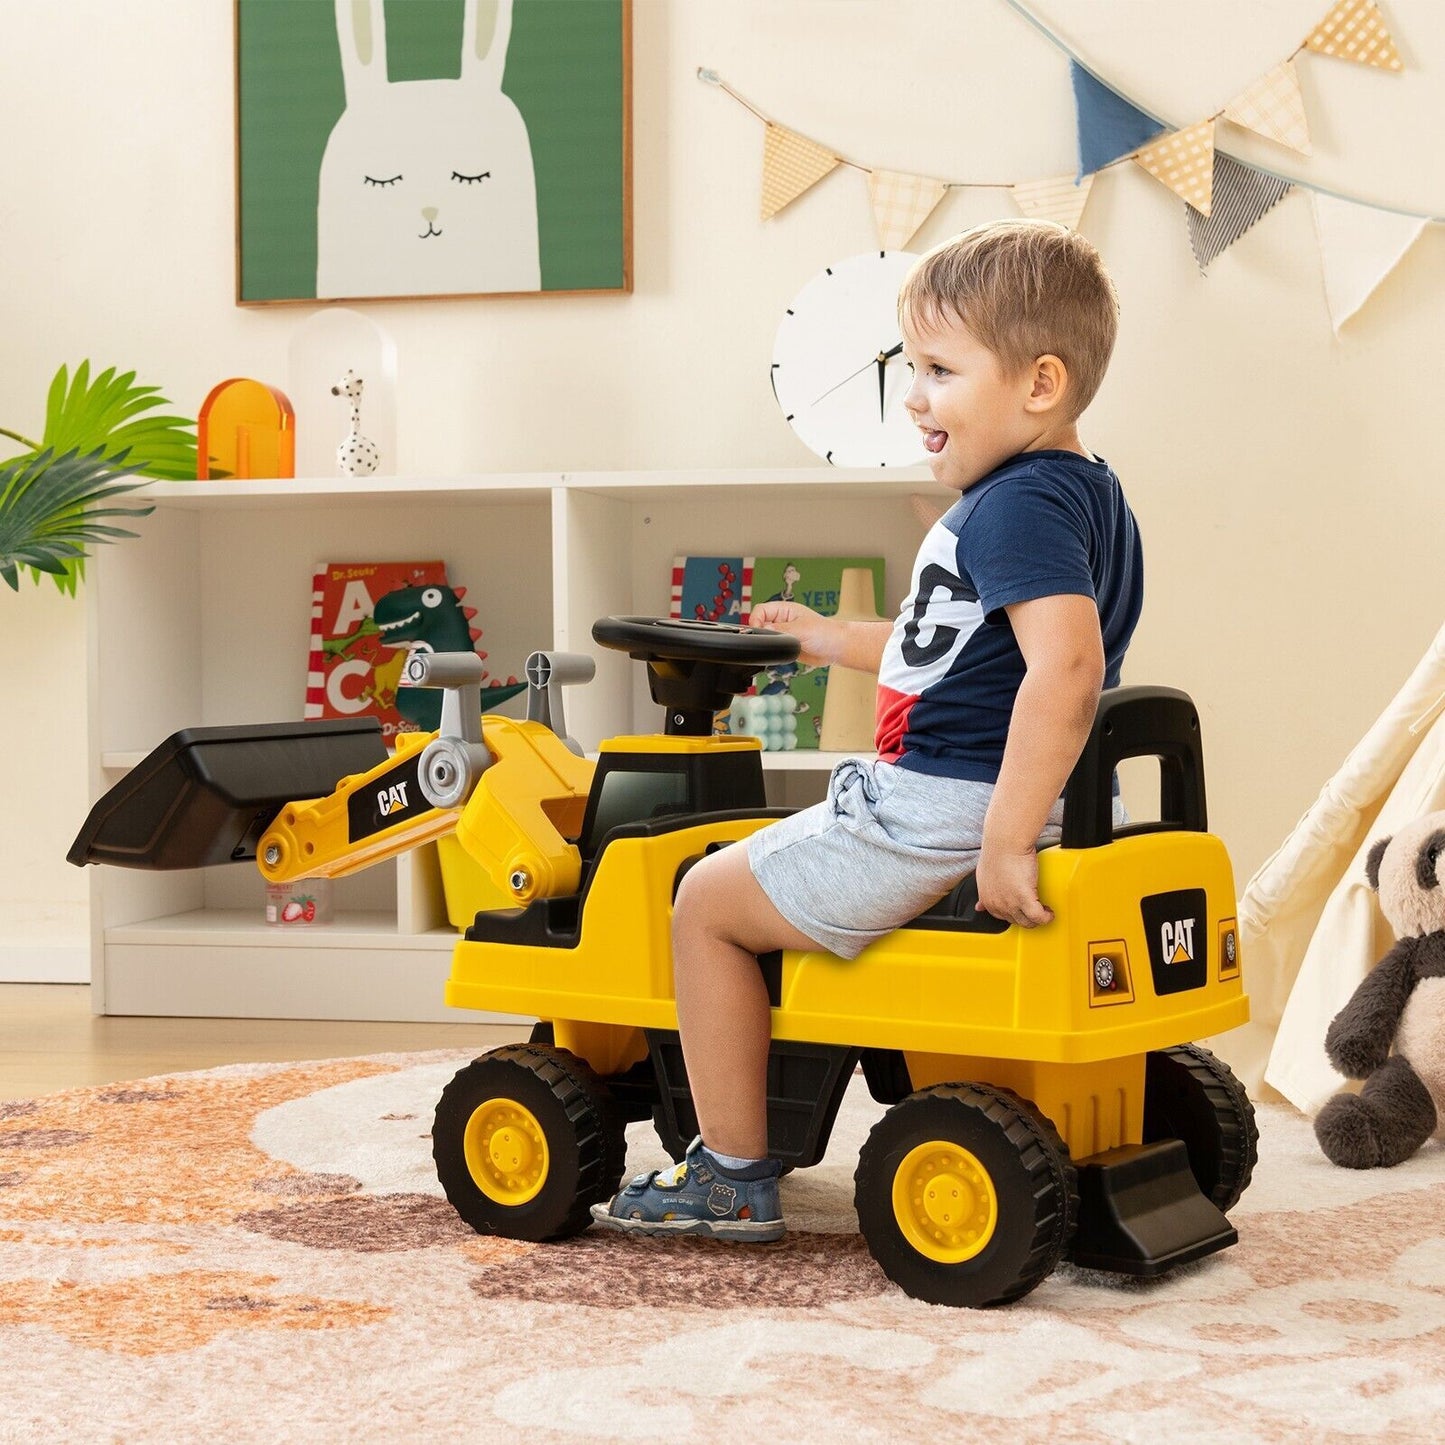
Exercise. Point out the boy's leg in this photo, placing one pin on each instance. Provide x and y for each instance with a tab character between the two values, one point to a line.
721	922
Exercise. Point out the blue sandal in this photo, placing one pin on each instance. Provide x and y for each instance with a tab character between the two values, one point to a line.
698	1196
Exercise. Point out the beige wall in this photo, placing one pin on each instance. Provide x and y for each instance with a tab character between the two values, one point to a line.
1288	482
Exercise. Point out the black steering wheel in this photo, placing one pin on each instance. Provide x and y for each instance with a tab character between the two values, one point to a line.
695	669
672	639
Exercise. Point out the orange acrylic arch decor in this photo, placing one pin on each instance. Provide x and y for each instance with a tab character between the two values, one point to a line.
245	429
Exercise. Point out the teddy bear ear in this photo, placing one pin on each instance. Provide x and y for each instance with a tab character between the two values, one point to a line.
1372	862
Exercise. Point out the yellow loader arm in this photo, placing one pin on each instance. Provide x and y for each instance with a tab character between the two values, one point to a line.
514	792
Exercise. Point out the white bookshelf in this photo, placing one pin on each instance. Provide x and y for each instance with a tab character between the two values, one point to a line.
202	620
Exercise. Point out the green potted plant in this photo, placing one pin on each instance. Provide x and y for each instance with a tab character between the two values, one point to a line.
56	496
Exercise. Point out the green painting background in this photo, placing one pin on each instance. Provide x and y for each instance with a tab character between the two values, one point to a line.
564	72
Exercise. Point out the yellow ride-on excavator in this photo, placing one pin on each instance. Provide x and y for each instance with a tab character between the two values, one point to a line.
1044	1099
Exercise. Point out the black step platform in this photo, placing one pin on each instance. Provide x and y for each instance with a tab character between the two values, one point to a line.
206	795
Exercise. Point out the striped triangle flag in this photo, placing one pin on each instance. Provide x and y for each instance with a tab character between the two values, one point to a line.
901	204
1184	161
1058	198
1359	247
791	164
1274	108
1109	127
1354	30
1242	195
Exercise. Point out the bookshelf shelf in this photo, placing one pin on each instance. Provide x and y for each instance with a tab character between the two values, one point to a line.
202	620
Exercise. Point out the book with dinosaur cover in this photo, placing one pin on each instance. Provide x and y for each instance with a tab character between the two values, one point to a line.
725	589
365	616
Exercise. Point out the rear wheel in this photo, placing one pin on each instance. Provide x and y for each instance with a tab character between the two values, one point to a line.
1191	1094
526	1139
965	1195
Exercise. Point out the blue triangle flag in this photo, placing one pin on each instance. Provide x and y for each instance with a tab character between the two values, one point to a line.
1109	127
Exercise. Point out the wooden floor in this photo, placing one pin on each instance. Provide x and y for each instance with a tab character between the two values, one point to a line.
50	1040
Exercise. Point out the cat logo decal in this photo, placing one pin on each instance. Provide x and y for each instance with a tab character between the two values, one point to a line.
1177	933
391	800
1177	940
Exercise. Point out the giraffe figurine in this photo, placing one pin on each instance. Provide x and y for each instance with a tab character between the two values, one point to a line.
357	456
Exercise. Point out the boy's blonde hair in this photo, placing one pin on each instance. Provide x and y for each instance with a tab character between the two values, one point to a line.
1024	289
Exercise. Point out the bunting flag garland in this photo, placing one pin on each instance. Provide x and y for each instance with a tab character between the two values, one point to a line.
1060	198
1274	108
1354	30
1110	128
1359	247
792	164
1224	197
901	204
1184	161
1242	195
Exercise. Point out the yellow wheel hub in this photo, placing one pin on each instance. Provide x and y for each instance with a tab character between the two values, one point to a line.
944	1202
506	1151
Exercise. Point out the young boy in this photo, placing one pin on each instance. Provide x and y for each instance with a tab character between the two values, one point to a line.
1024	598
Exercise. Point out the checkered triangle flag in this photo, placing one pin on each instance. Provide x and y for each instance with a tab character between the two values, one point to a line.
1184	161
1058	198
1354	30
901	204
1359	247
1242	196
791	164
1274	108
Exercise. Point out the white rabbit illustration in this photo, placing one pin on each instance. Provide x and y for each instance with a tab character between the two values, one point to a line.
427	186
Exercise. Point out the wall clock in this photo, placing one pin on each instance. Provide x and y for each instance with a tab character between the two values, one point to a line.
838	368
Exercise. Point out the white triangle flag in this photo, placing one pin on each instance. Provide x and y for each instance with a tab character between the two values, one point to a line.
1359	246
901	204
1057	198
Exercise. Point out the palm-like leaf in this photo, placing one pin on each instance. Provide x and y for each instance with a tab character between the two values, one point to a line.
96	430
109	412
49	506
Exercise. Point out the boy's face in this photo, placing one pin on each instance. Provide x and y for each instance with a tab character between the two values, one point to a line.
972	416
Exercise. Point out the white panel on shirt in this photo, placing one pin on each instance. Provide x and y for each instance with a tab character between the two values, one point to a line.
929	634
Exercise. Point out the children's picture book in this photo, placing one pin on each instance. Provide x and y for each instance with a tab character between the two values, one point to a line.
365	618
726	589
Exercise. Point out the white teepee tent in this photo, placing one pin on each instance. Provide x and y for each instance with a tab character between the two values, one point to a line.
1310	927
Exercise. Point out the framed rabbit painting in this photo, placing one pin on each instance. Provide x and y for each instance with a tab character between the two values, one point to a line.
392	149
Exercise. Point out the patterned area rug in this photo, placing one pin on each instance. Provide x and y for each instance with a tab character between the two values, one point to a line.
262	1253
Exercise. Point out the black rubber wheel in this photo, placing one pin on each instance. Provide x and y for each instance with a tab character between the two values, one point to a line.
1191	1094
965	1195
526	1139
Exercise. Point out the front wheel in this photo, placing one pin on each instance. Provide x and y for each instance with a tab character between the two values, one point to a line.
965	1195
526	1139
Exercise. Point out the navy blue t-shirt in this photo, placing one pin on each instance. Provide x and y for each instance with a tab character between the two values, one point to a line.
1042	524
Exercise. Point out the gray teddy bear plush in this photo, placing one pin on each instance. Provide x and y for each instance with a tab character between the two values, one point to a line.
1400	1002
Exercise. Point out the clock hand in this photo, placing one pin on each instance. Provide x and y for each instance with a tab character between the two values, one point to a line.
884	357
879	360
847	379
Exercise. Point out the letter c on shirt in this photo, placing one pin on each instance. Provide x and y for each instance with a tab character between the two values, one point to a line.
930	580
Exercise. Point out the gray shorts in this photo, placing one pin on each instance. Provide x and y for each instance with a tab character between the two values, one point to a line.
885	844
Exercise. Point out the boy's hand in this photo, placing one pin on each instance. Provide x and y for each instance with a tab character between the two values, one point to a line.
1008	887
817	633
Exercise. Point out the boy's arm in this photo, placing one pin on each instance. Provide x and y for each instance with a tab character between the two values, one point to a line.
1064	654
827	641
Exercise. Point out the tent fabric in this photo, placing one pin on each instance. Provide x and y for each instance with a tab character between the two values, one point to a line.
1310	927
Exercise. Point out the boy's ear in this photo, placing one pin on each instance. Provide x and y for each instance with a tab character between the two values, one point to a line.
1050	380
